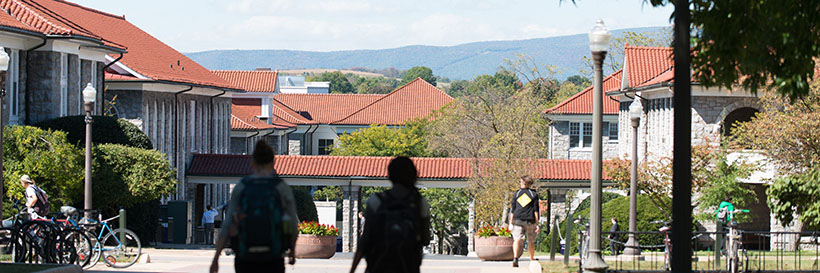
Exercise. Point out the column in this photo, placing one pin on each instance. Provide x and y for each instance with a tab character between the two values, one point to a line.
471	229
350	217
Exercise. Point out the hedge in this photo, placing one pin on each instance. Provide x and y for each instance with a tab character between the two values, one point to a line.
105	129
305	208
125	176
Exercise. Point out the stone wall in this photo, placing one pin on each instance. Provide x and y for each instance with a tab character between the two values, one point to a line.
560	144
239	145
43	86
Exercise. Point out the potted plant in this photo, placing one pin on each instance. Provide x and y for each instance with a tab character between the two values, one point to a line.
316	240
494	244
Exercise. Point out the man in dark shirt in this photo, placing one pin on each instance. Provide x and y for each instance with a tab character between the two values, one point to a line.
524	218
614	236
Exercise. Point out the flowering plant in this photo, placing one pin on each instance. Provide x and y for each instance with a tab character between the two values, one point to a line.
488	231
314	228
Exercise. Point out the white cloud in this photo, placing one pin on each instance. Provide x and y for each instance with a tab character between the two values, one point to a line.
259	6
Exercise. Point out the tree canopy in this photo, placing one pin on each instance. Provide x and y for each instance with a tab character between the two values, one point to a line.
338	81
423	72
380	140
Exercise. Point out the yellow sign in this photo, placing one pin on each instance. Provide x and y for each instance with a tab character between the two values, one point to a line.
524	200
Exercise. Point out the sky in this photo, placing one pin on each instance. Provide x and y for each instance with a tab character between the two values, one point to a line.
330	25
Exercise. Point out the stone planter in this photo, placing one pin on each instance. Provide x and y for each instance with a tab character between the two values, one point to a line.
494	248
312	246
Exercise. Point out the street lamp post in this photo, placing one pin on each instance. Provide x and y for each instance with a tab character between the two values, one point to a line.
598	43
4	67
632	246
89	98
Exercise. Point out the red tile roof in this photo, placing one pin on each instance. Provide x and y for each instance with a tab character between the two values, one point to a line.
415	99
146	55
412	100
117	77
645	63
347	166
10	21
250	81
245	115
581	103
327	108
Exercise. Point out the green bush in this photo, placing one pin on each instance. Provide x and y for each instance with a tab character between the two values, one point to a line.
48	158
105	129
305	208
143	219
605	197
125	176
618	208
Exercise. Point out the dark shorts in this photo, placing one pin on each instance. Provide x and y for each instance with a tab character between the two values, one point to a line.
275	265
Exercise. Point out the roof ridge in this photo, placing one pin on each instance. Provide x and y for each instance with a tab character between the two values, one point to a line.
648	47
291	109
387	95
329	94
243	71
240	120
122	17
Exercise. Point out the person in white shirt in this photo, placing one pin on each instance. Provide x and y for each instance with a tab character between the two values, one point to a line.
208	222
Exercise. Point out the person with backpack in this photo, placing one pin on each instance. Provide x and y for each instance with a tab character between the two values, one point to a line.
524	218
398	224
723	217
261	219
36	199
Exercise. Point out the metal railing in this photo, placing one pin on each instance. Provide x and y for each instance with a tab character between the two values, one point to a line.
759	251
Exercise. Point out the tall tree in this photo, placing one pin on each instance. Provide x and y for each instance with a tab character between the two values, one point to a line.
338	81
423	72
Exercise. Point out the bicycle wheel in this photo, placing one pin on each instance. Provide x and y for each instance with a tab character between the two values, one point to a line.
121	254
81	245
96	250
37	239
11	247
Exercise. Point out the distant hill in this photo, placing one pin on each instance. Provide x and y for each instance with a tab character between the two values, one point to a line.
463	61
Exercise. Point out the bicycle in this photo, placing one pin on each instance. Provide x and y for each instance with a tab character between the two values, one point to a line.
119	248
583	241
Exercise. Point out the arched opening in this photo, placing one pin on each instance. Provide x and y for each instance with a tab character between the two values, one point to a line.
737	116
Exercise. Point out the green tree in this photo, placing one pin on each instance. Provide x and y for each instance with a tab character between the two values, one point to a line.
579	80
125	176
495	121
797	194
448	216
105	130
755	43
380	140
423	72
48	158
457	88
338	81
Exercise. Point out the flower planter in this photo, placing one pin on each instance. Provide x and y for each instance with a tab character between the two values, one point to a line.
494	248
312	246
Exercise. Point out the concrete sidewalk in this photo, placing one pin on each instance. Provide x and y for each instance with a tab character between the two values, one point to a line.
199	260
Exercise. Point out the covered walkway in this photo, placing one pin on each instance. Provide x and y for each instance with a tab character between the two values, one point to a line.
354	172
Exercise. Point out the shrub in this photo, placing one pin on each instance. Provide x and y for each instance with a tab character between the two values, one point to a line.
142	219
605	197
488	231
305	208
48	158
104	130
314	228
125	176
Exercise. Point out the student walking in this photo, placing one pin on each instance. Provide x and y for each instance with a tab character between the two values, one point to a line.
208	223
524	218
614	236
37	204
261	220
398	224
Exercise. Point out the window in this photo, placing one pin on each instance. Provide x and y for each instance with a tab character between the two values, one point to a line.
63	84
587	135
325	146
580	135
613	131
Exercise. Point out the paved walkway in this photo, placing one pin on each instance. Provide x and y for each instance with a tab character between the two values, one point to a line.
199	260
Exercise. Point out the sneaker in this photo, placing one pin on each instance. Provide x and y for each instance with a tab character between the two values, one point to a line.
515	263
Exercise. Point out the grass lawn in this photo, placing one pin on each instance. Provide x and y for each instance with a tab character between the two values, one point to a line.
558	267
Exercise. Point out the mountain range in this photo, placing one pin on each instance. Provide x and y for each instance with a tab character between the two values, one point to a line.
462	62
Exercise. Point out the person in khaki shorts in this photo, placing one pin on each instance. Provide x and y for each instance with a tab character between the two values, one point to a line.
524	218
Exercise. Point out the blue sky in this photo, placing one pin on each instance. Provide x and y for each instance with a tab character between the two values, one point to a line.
327	25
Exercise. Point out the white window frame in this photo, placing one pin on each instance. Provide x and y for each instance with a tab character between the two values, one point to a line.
13	86
582	132
63	84
617	131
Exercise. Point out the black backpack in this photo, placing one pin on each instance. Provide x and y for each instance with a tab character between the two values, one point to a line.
260	236
395	235
42	206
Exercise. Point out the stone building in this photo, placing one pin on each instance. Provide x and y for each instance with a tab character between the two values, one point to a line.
51	62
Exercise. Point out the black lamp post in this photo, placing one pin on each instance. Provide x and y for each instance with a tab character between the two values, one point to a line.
89	98
598	43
